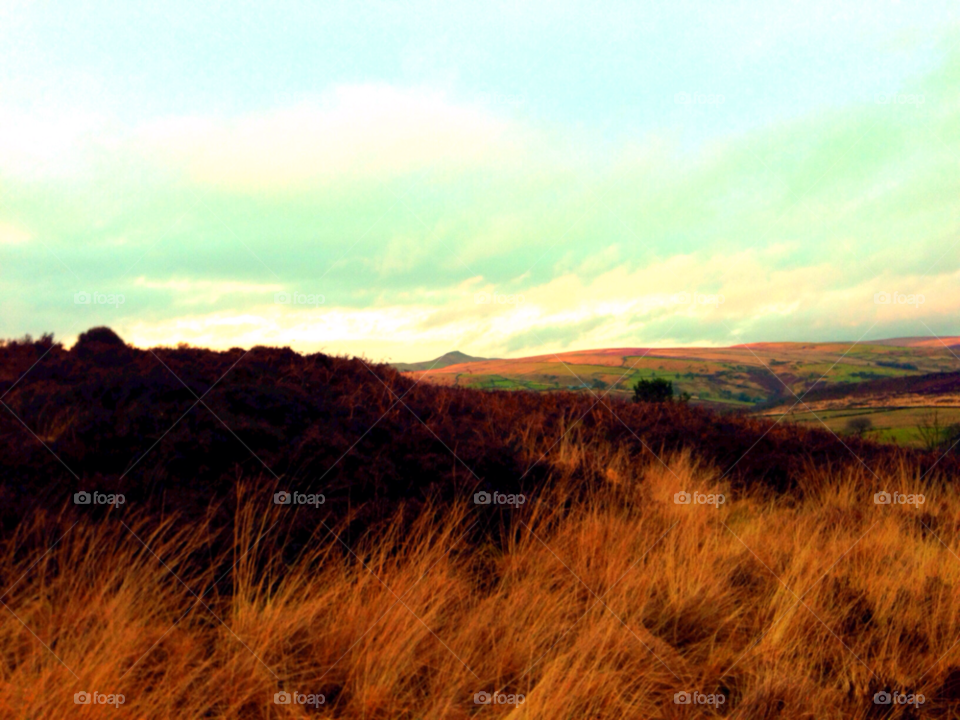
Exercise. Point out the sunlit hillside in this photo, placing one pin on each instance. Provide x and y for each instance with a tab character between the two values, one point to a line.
726	377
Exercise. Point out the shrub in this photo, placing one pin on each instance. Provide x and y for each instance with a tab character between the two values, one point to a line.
859	425
655	390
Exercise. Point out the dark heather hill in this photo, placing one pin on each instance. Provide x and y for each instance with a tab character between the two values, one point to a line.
178	429
930	384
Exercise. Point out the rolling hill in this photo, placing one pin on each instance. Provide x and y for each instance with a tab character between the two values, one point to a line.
737	377
446	360
402	590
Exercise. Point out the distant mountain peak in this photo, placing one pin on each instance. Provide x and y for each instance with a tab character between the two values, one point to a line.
454	357
462	357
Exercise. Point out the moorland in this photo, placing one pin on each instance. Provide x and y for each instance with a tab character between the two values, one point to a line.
401	595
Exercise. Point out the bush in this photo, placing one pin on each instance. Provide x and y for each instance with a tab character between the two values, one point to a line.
859	425
655	390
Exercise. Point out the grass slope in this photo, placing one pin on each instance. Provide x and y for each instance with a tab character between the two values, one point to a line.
399	597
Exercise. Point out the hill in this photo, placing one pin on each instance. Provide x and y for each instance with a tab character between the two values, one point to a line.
737	377
412	581
913	410
151	422
446	360
950	342
926	390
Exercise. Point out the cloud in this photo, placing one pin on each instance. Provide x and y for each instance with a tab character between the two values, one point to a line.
701	299
44	145
199	291
12	235
332	330
354	132
797	225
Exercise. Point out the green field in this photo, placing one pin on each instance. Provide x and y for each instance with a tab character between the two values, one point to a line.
731	377
735	378
913	427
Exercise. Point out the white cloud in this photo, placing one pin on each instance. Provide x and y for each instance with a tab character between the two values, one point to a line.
355	131
331	330
12	235
34	145
721	295
195	291
352	131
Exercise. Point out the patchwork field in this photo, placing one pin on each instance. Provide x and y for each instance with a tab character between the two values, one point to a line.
736	376
765	378
903	426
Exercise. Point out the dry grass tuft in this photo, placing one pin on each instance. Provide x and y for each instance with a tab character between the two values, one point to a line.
800	605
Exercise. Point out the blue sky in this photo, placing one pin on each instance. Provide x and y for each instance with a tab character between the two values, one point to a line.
504	179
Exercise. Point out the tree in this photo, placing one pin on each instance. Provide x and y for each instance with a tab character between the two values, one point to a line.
859	425
935	435
655	390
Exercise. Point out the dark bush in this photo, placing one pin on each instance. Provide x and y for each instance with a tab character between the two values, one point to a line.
859	425
655	390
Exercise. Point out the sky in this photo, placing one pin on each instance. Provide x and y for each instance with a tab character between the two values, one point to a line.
398	180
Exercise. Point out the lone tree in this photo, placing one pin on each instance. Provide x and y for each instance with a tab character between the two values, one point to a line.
655	390
859	425
935	435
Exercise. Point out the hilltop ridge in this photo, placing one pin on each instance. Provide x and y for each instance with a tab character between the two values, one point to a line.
739	377
191	421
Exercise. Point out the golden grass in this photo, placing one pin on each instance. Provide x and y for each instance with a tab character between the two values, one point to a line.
603	606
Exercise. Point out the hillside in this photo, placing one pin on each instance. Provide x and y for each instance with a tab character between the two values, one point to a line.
400	595
930	389
447	359
191	421
912	410
737	377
